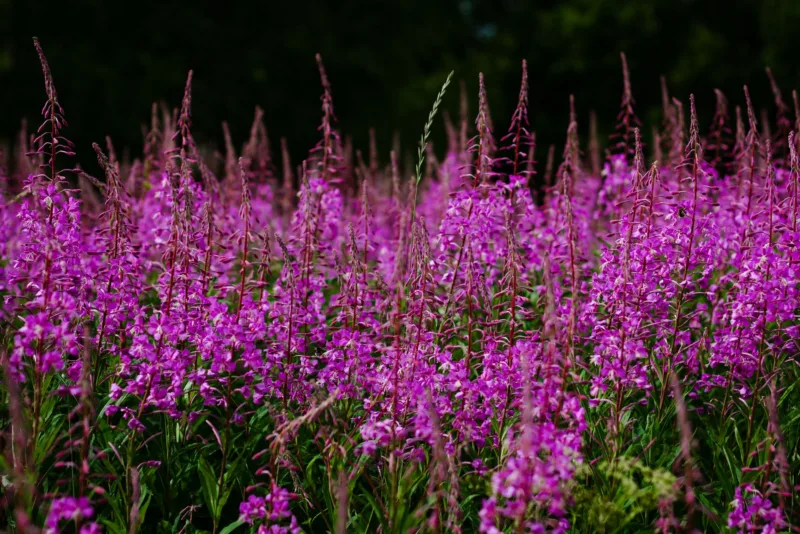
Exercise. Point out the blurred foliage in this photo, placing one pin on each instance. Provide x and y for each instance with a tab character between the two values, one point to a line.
386	60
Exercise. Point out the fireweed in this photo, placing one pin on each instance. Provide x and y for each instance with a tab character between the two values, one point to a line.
199	344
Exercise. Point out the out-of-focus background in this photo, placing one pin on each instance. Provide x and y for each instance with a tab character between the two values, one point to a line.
385	60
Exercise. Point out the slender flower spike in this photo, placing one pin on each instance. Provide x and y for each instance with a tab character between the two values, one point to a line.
626	119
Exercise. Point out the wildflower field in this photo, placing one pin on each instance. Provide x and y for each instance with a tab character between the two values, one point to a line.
469	341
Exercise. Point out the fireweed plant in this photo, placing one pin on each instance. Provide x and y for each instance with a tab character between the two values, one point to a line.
194	343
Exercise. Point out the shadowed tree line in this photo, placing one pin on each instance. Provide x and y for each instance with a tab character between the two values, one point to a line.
386	60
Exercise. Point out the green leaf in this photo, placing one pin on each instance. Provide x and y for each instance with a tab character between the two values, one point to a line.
710	506
114	528
233	526
144	502
209	486
224	497
377	509
49	433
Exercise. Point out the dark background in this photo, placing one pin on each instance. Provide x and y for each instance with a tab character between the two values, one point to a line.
386	61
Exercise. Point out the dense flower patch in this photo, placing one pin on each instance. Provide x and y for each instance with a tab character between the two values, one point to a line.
201	344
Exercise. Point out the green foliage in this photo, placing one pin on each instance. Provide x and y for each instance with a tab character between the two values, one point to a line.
620	493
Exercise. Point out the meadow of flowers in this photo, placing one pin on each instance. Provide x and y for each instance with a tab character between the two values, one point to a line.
218	342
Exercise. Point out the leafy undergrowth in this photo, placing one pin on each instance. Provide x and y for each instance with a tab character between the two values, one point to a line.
199	344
